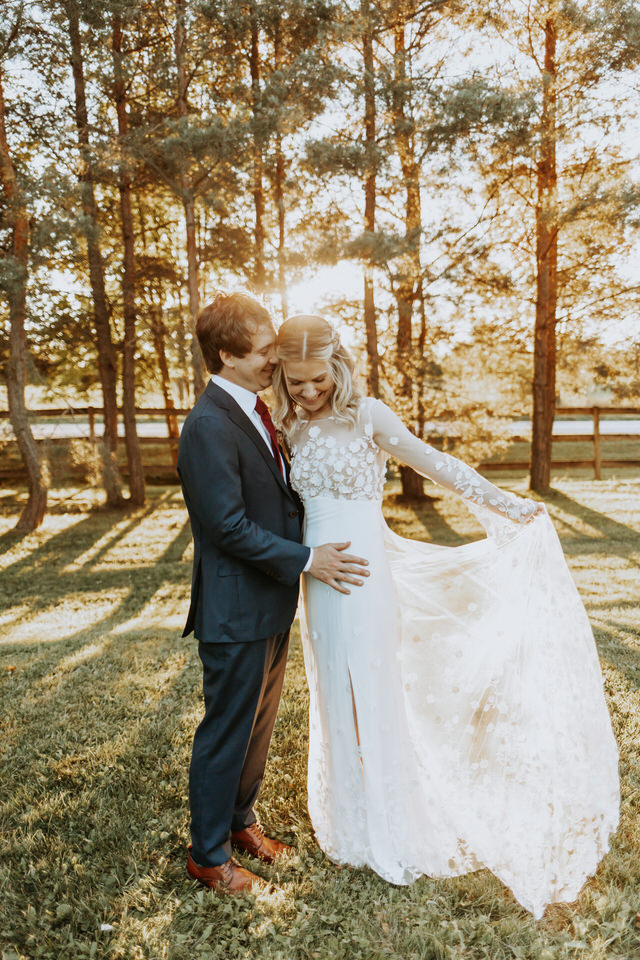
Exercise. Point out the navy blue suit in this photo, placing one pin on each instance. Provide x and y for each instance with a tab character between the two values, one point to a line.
246	523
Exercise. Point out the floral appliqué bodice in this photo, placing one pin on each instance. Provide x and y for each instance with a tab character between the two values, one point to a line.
334	458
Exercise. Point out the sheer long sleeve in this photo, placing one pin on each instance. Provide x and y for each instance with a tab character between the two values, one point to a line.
391	435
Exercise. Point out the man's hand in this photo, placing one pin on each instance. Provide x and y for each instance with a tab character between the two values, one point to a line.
335	567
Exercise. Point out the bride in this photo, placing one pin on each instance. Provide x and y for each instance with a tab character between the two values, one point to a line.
457	716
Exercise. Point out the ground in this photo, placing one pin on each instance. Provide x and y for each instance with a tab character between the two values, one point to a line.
99	699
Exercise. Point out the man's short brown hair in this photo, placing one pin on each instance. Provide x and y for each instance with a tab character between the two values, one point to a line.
229	323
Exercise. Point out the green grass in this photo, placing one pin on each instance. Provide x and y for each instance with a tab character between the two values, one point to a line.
97	719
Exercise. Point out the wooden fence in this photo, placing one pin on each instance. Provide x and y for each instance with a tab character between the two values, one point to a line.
597	463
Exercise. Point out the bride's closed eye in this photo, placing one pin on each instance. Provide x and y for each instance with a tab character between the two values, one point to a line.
296	383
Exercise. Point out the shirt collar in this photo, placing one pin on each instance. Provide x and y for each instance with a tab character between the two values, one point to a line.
245	399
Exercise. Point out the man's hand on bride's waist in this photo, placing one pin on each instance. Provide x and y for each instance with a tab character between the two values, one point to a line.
335	567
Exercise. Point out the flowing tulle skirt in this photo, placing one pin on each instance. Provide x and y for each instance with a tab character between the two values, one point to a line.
457	714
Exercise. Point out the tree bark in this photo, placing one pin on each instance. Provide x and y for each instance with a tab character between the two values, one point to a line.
279	185
189	205
16	218
134	459
107	361
373	374
409	280
259	272
279	197
159	336
181	342
544	357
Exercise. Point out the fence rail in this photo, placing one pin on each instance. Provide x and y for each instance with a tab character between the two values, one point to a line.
596	462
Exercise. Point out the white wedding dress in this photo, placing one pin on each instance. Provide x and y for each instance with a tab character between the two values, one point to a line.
457	716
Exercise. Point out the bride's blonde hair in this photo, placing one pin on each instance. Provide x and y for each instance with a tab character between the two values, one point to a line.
308	337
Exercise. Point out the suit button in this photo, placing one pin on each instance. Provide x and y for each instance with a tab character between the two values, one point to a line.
293	513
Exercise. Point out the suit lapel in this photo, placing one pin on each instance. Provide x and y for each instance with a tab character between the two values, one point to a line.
223	399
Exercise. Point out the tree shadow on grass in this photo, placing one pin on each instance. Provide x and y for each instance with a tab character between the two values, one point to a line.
430	517
121	532
622	540
84	528
608	604
69	543
141	582
55	582
618	654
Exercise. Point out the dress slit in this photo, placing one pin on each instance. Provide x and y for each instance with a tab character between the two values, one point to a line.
355	725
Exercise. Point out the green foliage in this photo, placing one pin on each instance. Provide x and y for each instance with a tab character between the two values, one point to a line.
291	137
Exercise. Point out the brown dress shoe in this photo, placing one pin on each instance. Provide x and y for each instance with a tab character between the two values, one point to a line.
229	877
254	840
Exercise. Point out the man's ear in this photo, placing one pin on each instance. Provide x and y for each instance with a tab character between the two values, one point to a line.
228	359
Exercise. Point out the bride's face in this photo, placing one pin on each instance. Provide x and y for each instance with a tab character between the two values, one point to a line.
310	385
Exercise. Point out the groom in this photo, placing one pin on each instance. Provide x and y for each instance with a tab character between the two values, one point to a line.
246	525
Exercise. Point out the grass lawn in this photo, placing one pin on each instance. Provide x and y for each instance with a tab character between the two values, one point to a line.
99	700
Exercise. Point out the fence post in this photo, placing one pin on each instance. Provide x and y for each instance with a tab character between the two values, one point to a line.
92	423
596	443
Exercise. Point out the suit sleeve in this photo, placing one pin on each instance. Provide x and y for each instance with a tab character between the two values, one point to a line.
210	475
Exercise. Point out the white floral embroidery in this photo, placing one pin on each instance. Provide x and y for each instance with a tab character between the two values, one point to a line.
335	459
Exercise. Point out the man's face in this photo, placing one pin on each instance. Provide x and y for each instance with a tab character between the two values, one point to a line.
254	371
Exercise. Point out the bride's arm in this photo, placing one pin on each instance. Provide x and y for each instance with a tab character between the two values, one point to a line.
390	433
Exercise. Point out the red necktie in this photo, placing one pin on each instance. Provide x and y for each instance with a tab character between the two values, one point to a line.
263	412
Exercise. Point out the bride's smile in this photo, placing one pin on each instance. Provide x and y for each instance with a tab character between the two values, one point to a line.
310	385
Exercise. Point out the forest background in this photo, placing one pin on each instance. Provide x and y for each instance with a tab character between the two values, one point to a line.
457	189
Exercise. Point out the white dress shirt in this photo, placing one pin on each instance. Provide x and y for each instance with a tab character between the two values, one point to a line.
246	400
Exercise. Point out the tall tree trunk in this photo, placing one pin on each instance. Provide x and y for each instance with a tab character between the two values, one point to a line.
16	218
134	459
371	330
107	362
544	356
159	336
189	205
279	192
181	340
259	272
279	187
409	281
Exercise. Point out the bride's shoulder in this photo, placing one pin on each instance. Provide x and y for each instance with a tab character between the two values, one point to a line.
368	406
368	414
367	403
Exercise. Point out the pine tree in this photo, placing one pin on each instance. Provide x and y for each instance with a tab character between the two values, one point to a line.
14	283
125	180
410	25
107	361
188	196
546	171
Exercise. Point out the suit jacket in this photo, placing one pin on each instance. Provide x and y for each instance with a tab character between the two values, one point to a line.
246	524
